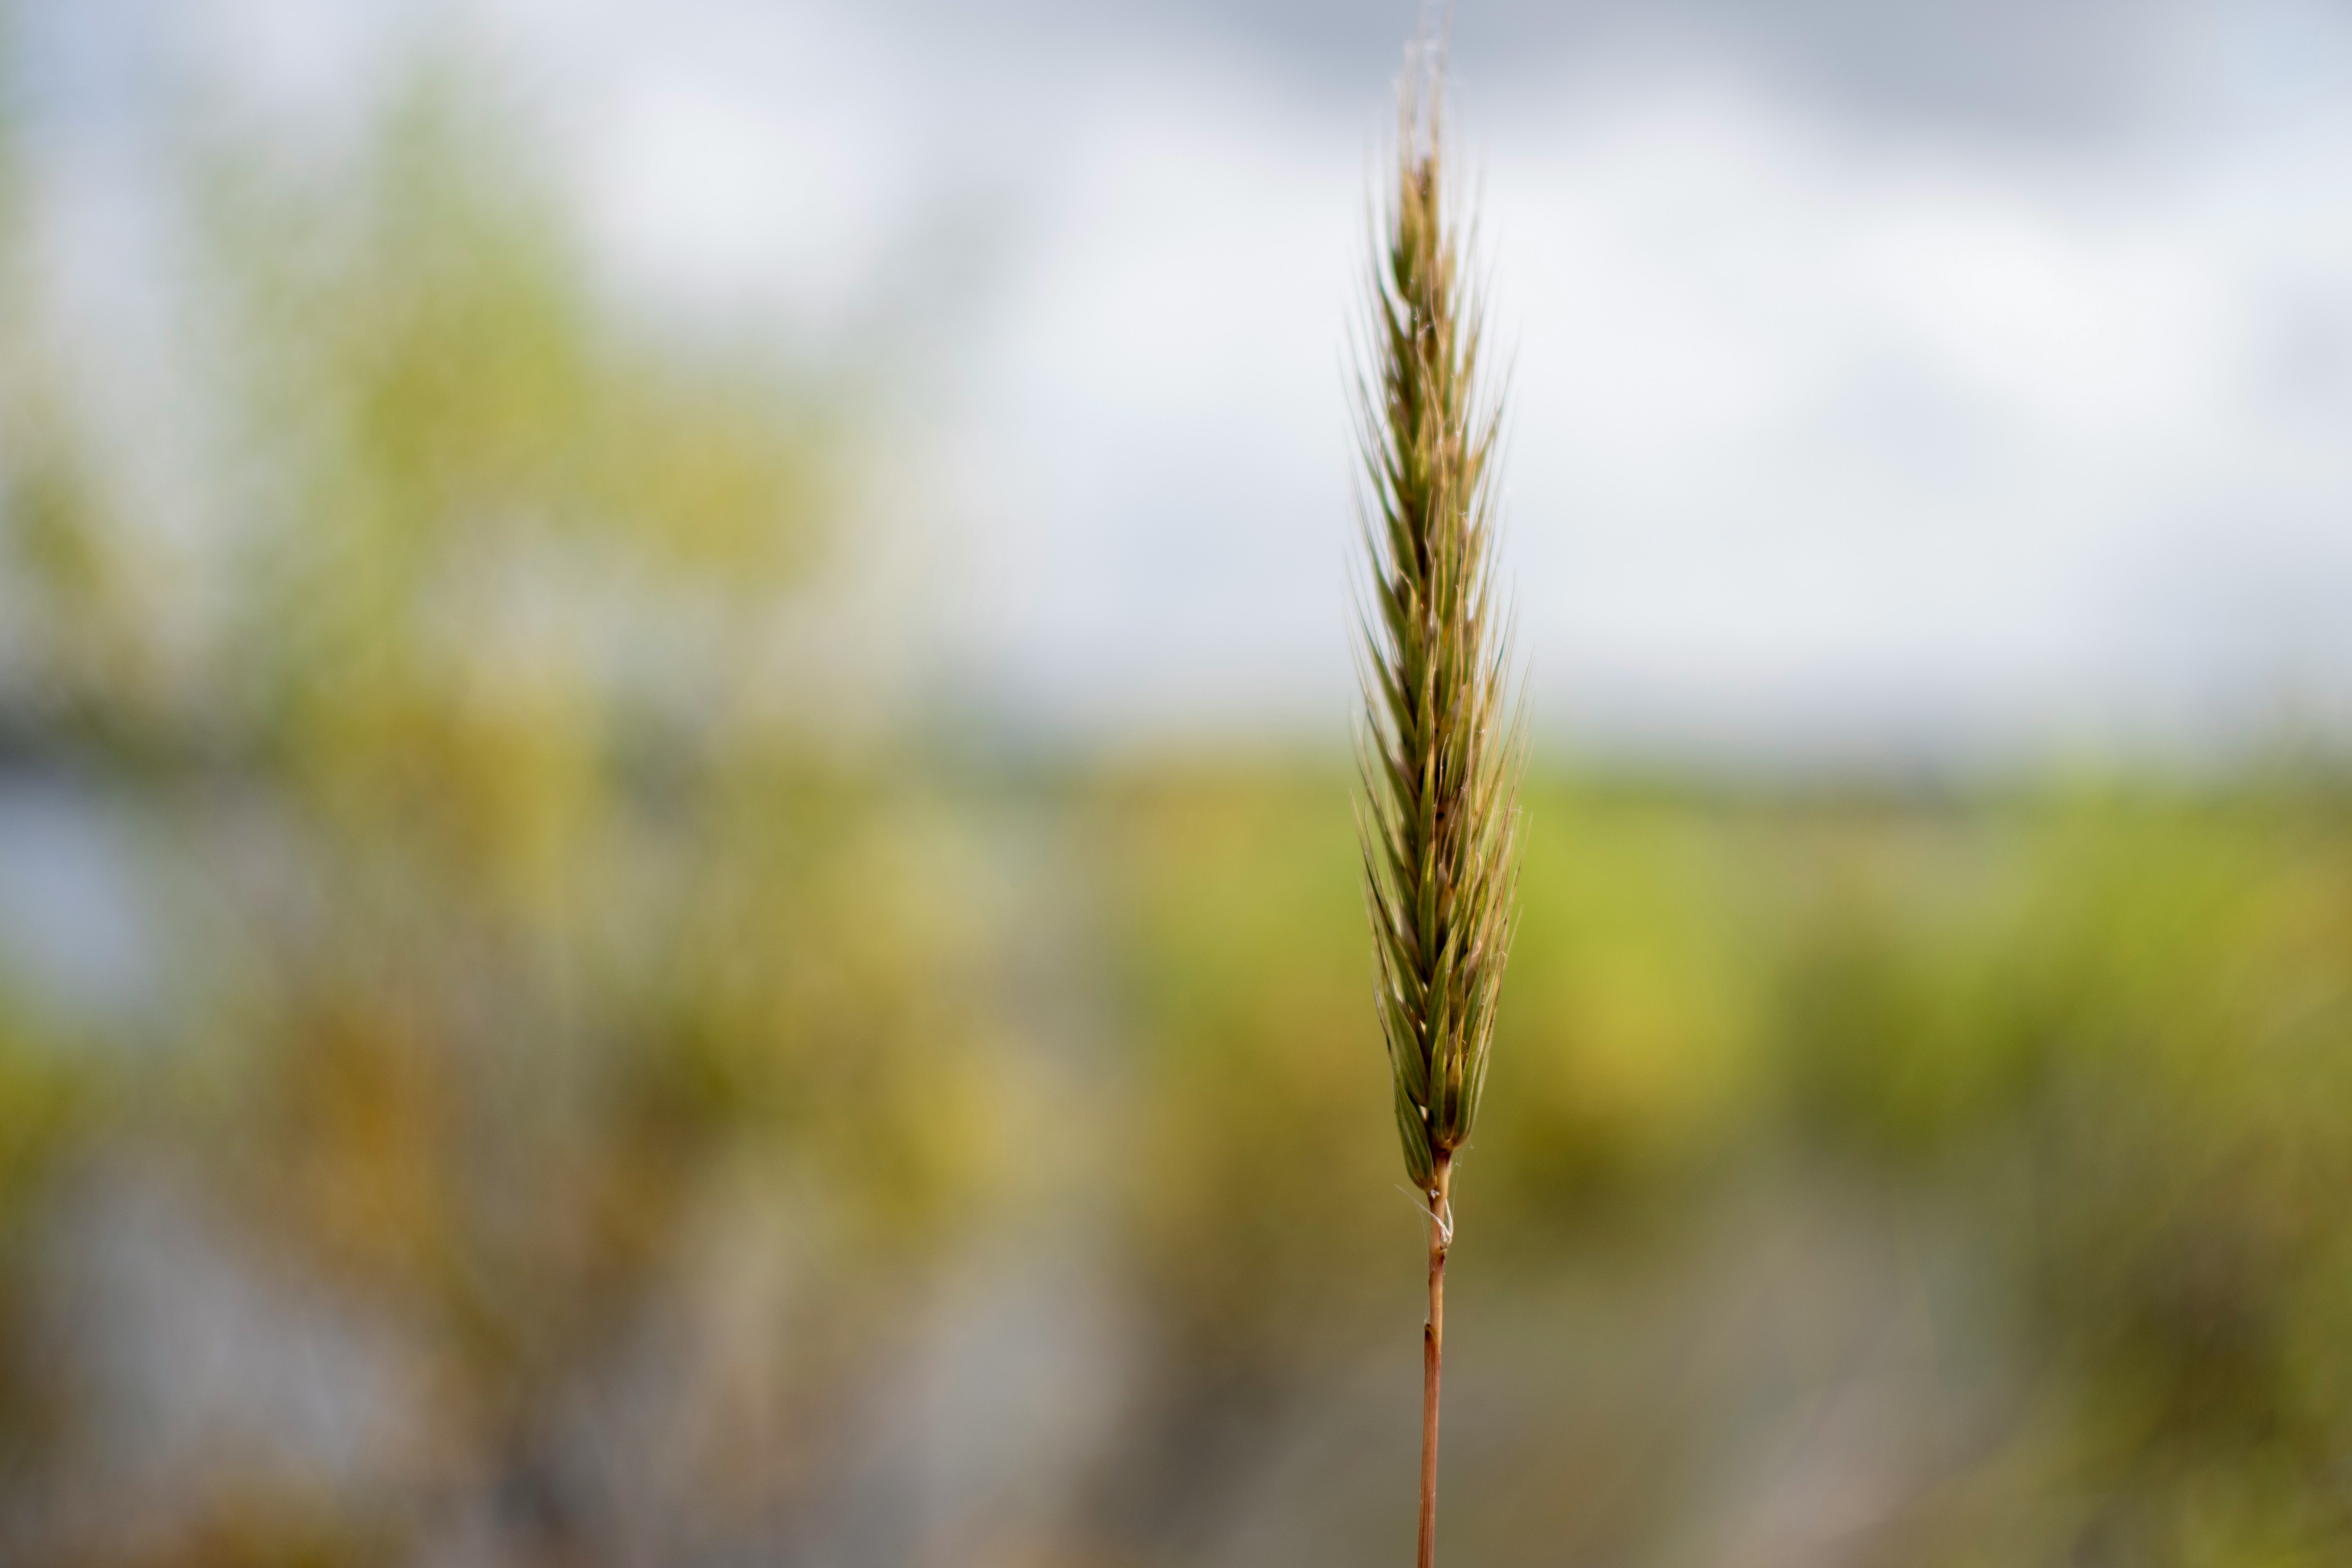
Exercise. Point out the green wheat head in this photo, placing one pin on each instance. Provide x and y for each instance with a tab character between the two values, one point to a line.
1440	751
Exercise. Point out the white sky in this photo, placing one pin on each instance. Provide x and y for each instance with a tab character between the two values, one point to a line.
1949	391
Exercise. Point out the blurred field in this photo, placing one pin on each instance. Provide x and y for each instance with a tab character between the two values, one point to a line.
510	1054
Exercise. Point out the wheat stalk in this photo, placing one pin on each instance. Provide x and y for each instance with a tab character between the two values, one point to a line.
1439	754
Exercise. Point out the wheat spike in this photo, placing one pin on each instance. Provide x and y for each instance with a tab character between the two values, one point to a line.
1439	755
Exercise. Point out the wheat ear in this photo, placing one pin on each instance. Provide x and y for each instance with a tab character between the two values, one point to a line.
1440	752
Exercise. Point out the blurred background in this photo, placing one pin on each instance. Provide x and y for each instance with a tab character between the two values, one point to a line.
676	878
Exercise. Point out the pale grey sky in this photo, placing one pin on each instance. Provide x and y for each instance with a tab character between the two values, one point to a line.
1947	380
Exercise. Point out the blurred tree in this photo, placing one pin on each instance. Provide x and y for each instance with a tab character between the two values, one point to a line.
529	908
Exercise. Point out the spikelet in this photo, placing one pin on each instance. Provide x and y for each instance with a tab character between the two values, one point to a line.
1440	752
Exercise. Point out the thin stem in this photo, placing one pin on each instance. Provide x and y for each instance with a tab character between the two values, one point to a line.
1433	1352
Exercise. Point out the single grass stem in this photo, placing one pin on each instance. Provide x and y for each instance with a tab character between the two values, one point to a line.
1440	750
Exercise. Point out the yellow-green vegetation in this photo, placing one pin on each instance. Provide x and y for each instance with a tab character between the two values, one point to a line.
2101	1035
525	925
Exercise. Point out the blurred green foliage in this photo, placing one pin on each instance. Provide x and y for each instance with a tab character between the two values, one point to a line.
496	962
2102	1034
